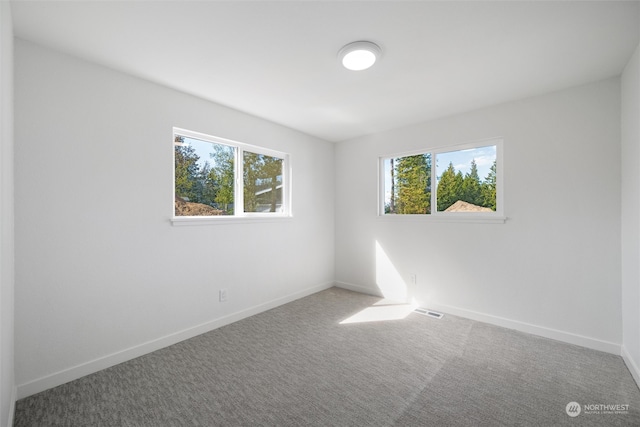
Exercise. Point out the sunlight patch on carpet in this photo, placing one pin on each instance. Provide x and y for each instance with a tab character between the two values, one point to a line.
381	313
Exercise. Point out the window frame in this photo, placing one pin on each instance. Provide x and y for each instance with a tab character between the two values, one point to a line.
239	215
496	216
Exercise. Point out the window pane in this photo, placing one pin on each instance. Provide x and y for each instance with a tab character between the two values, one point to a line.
262	182
467	180
408	184
204	177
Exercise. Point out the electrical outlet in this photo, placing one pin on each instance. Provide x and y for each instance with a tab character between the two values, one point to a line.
223	295
414	279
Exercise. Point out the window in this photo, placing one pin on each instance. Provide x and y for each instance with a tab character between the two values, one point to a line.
464	181
262	182
215	177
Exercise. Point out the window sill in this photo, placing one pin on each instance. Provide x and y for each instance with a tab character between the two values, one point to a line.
210	220
463	218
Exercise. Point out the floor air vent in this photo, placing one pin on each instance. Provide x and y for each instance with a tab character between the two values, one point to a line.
429	313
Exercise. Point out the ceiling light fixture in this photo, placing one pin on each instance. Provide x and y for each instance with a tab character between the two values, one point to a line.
358	56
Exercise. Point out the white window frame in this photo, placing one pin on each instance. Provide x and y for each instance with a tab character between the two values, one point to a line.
239	214
496	216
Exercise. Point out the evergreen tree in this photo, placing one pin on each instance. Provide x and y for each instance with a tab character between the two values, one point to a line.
413	179
449	188
459	181
221	177
271	174
489	188
251	176
186	170
471	186
207	186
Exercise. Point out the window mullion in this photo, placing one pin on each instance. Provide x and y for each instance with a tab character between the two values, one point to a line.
286	201
239	198
434	184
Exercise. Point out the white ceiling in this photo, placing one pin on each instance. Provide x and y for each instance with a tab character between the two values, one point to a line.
278	59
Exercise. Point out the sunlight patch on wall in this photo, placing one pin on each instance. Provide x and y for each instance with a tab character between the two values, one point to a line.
388	279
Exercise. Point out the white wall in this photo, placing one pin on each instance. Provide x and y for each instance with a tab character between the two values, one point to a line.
101	274
7	381
631	214
553	268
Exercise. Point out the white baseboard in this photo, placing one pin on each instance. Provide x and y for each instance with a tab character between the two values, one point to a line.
360	289
529	328
90	367
542	331
631	364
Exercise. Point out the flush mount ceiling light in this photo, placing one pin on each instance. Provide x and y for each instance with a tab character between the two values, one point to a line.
358	56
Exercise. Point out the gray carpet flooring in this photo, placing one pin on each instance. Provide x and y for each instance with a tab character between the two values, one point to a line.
297	365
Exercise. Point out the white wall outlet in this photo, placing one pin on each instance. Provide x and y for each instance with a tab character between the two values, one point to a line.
414	279
223	295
